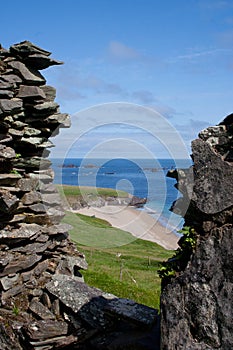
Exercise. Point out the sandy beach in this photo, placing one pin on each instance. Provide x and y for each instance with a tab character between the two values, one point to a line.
137	222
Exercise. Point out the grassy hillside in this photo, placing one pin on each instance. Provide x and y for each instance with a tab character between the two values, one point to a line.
118	263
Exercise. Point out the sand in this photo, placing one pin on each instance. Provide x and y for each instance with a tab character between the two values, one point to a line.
137	222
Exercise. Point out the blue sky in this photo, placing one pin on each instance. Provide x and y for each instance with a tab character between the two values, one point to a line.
174	56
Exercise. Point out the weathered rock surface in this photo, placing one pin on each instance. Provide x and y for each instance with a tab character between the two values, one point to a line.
197	304
44	302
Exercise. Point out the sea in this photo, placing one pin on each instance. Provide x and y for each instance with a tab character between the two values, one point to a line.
144	178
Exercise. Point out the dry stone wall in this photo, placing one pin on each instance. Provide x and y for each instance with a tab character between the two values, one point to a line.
44	302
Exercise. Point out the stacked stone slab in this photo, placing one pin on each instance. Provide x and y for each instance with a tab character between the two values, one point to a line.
197	304
44	303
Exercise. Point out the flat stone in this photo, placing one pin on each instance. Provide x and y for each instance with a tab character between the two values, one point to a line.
27	185
32	163
56	215
48	188
50	92
46	144
55	343
6	85
40	219
18	289
12	80
9	179
6	153
32	141
20	262
38	208
44	178
12	106
26	48
31	131
8	201
57	229
5	258
51	199
70	265
31	198
40	61
24	232
41	330
62	119
44	108
8	282
40	310
18	124
72	293
16	132
31	248
6	94
32	92
29	75
133	312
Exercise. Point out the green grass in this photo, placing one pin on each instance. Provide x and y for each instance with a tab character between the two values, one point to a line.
118	262
74	191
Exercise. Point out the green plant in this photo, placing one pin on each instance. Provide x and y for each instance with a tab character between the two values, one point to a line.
18	155
14	171
15	310
179	260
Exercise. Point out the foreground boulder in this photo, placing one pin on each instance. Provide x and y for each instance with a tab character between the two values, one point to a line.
197	298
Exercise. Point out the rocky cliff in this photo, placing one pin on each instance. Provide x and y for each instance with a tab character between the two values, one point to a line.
44	302
197	296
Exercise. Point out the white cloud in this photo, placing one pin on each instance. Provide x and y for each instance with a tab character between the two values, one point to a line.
120	52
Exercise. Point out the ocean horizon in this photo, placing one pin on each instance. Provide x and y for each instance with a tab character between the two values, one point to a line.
144	178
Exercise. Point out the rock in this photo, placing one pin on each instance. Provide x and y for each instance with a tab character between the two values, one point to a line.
31	197
33	163
6	94
49	91
12	106
6	153
9	179
31	131
26	48
8	201
6	85
44	109
61	119
40	330
40	61
72	293
10	80
24	232
71	265
195	312
28	185
136	313
29	75
51	199
32	92
21	262
9	281
213	188
40	310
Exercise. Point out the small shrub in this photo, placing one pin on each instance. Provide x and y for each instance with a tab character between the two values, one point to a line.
180	259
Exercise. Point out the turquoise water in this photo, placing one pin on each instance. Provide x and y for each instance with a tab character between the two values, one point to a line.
145	178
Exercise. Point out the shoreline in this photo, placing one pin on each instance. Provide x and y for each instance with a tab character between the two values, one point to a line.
139	223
